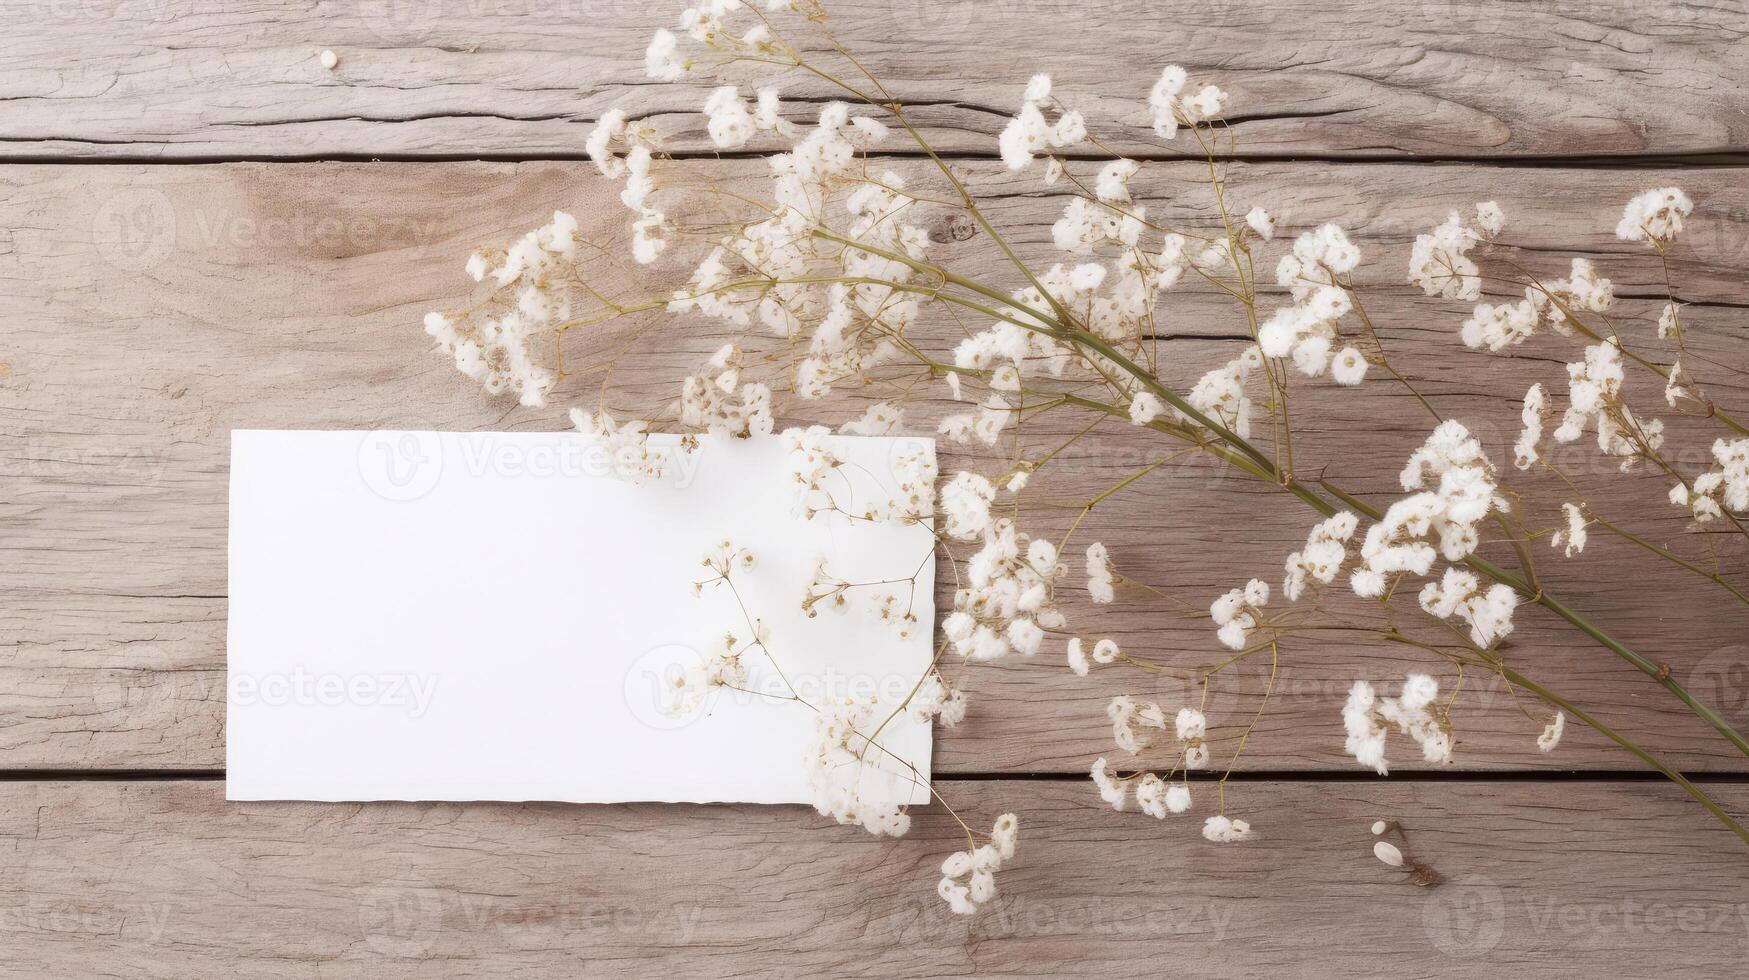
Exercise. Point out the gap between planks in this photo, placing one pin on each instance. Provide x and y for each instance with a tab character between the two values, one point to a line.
1624	162
1407	776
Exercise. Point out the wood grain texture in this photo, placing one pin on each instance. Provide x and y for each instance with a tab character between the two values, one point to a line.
148	310
165	879
519	78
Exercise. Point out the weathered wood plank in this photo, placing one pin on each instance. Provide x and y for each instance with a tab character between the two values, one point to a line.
449	78
151	309
167	880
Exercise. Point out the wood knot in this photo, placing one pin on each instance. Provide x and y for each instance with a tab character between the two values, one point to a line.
955	227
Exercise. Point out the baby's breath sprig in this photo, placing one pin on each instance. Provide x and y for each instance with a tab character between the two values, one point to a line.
841	280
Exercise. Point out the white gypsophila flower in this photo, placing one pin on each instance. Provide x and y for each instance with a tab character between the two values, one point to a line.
1533	416
730	120
825	589
1367	583
1365	717
1220	394
1655	216
978	867
1222	830
1680	391
1131	721
880	419
1444	520
1320	257
1173	107
1178	797
531	296
1100	583
897	612
1004	603
1106	651
661	59
767	268
1005	834
1112	186
1085	224
1488	612
1321	559
627	445
609	129
835	761
649	237
715	401
1725	487
766	117
1594	400
1260	222
1025	635
1238	612
965	503
1440	264
1366	733
721	668
1314	273
957	897
1348	367
1145	408
1554	302
1552	732
1111	790
1574	536
811	460
1583	290
1500	326
1028	134
1670	321
1490	218
1078	657
1190	724
1151	796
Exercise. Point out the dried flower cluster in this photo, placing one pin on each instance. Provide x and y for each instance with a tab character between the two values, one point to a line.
832	287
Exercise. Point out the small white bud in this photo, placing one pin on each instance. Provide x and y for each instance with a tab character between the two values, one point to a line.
329	60
1387	852
1378	826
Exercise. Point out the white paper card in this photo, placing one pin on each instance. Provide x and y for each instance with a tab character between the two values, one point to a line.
492	616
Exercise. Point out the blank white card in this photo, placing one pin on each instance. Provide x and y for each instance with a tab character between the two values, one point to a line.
496	616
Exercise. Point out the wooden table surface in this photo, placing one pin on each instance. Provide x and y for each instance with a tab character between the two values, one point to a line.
201	229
